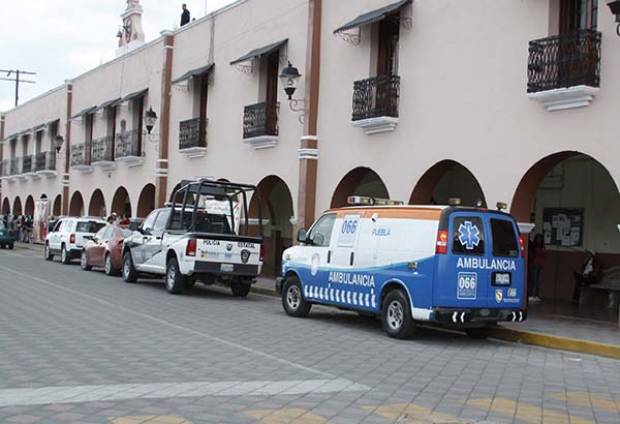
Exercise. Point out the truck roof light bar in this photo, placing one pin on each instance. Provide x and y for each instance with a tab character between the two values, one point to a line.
372	201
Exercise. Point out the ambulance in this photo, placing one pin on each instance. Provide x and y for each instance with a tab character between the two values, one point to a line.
454	266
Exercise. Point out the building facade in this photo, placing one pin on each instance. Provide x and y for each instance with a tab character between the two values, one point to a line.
419	101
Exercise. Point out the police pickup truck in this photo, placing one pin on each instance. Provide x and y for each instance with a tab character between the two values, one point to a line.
203	235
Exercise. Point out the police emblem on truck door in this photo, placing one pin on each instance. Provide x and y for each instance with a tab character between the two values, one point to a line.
245	256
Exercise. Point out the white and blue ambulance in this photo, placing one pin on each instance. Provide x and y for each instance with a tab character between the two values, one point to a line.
451	265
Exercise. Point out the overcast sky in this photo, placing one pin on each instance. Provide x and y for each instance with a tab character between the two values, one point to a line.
59	39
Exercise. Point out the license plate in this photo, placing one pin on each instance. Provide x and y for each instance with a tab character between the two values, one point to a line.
501	279
227	268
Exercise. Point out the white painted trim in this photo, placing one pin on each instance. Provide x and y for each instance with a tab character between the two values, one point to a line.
310	138
131	161
565	98
377	125
309	154
262	142
194	152
106	165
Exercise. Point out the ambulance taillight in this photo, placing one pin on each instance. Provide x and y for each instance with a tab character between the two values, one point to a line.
522	244
442	242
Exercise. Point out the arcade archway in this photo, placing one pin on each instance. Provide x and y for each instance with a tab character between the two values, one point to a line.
575	205
6	206
445	180
359	182
76	205
146	201
17	206
96	206
57	207
29	206
121	204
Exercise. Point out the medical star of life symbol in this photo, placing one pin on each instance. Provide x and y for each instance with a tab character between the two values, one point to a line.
469	235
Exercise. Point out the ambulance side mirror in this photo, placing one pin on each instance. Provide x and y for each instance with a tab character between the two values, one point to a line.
302	235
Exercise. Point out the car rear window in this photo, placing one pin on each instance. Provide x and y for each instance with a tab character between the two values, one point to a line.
468	236
504	238
89	226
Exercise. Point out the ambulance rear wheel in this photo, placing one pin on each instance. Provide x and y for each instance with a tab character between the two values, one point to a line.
396	315
293	300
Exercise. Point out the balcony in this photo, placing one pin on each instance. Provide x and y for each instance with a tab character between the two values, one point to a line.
103	152
375	104
564	70
45	164
260	125
80	157
5	169
14	169
128	148
193	137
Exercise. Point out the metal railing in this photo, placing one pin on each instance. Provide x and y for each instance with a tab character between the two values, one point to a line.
5	168
26	164
14	166
128	144
193	133
80	154
565	60
103	149
45	161
375	97
260	119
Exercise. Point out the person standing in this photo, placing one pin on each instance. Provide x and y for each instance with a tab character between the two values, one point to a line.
185	16
536	265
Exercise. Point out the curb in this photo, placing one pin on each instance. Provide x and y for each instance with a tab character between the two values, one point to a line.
554	342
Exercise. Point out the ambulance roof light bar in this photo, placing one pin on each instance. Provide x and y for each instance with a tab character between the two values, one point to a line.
502	206
454	201
372	201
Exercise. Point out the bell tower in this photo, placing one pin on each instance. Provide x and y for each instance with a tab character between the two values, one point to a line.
130	34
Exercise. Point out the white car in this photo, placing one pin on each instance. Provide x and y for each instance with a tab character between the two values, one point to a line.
69	236
200	236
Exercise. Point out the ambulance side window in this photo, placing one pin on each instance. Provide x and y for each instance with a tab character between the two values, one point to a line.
321	232
467	236
505	241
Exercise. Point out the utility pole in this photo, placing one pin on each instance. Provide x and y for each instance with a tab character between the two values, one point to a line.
16	79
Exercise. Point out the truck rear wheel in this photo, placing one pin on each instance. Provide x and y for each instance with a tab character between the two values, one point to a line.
175	281
130	275
396	315
293	300
240	289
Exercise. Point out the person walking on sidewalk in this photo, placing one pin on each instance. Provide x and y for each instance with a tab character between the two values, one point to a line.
536	264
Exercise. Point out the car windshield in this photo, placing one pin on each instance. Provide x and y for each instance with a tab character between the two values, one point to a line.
89	226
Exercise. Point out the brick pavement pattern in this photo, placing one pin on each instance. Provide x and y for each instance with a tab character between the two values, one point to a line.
78	347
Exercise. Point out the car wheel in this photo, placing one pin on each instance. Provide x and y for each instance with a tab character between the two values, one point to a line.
293	300
396	315
47	254
175	281
84	262
130	275
240	289
64	255
108	268
11	246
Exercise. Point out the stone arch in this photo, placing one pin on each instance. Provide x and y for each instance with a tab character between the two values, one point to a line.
361	182
6	206
76	205
121	204
445	180
146	201
276	207
17	206
29	206
57	208
96	206
576	189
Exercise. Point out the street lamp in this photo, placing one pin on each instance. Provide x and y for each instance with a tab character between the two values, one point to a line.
58	142
614	6
290	77
150	118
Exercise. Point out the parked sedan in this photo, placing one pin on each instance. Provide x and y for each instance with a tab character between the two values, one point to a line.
104	250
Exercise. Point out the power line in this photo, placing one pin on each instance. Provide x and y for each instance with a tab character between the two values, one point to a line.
17	79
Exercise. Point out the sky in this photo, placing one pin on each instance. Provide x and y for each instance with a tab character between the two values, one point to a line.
60	39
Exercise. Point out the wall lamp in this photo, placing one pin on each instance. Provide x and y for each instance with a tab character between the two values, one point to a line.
614	6
290	77
58	142
150	118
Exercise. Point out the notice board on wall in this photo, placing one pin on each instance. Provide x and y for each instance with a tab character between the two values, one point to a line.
563	227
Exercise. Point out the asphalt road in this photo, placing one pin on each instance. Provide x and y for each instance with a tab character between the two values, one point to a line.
81	347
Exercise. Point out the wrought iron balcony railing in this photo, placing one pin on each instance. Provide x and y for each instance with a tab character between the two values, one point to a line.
80	154
103	149
375	97
128	144
27	164
193	133
45	161
14	166
260	119
563	61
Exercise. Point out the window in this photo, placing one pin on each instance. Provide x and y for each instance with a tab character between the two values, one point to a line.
149	222
387	45
321	232
100	234
504	238
57	227
108	232
578	14
89	226
161	221
467	236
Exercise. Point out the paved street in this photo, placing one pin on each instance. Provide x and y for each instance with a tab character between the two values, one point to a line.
79	347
